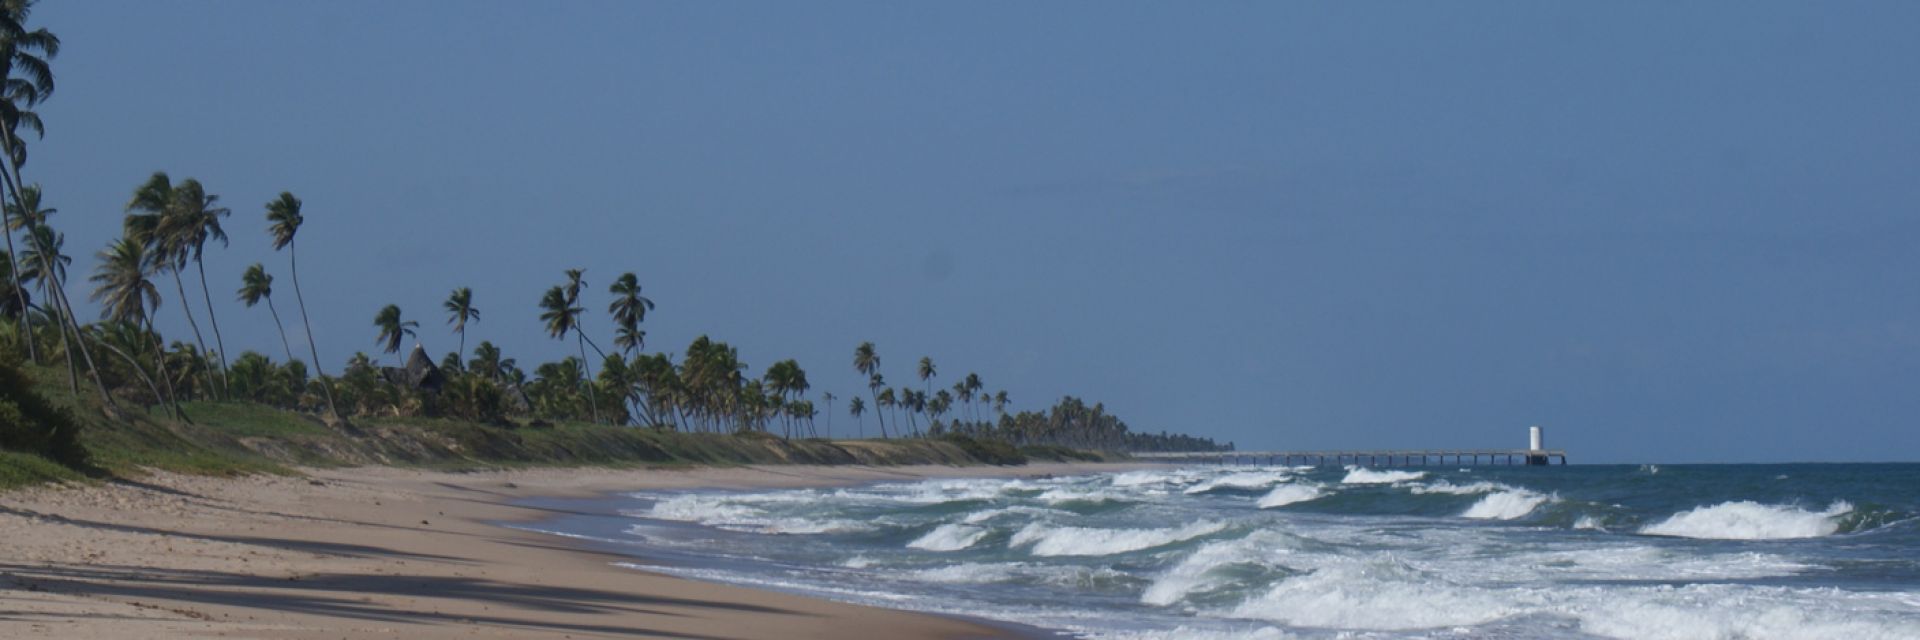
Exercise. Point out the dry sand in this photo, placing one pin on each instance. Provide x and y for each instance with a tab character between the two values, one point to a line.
383	553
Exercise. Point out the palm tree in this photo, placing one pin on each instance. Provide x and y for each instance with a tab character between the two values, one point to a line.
152	203
886	400
27	213
973	388
858	406
1000	402
392	329
28	79
826	400
927	373
866	360
629	309
460	311
562	316
45	265
284	218
126	295
194	220
255	286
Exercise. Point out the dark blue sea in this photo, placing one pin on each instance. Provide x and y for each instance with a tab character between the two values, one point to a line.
1667	551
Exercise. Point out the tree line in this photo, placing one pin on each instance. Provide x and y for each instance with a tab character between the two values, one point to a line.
170	226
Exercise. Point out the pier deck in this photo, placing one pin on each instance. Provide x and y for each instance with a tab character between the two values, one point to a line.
1371	458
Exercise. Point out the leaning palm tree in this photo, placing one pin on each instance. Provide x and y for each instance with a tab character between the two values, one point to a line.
126	295
28	213
629	309
561	316
152	202
284	218
866	360
392	328
460	311
190	224
27	80
43	264
256	285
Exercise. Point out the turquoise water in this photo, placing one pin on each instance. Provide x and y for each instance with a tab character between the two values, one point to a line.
1721	551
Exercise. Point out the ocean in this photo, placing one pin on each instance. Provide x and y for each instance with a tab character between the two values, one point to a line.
1579	551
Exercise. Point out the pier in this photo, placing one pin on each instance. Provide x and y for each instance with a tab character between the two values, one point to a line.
1370	458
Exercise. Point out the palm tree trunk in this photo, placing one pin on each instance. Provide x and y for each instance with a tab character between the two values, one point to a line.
293	265
13	270
158	399
186	309
463	341
587	379
66	348
281	327
166	379
220	357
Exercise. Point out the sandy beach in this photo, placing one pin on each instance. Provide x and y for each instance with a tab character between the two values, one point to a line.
383	552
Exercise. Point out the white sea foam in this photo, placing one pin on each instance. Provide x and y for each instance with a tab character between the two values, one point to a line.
749	512
1153	477
1190	633
1287	494
1062	495
1243	480
949	537
1748	520
1361	475
1376	593
1506	505
1743	611
1588	522
1082	541
978	517
969	573
1449	488
702	509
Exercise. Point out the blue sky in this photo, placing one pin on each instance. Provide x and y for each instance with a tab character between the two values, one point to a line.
1666	232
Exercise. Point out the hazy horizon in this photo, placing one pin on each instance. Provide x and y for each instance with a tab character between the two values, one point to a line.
1666	233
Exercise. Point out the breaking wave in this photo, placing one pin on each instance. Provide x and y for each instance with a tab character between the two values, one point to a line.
1505	505
1748	520
949	537
1287	494
1083	541
1361	475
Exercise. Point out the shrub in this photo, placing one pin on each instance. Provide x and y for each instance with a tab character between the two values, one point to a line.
987	451
31	424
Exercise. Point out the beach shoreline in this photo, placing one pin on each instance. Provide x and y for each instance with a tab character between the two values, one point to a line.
380	551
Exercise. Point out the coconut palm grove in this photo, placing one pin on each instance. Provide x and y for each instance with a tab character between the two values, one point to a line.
120	367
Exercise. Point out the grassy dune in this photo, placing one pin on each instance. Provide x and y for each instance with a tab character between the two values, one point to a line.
234	438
